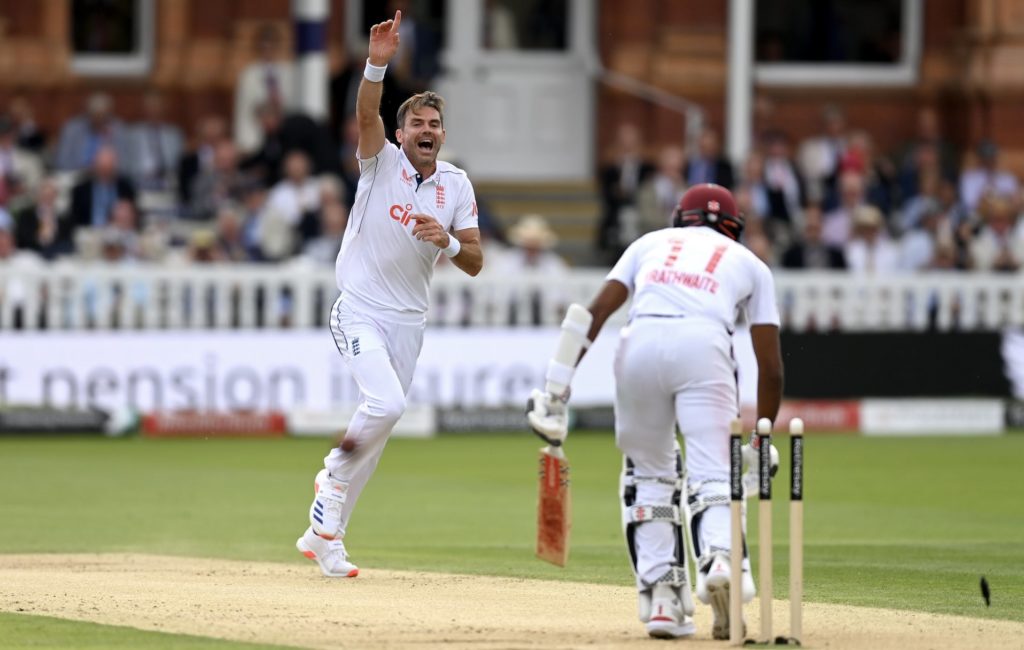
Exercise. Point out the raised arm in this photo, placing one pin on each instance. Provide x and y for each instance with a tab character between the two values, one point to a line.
383	45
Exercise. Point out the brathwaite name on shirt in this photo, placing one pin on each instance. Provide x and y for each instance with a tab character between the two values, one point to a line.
692	280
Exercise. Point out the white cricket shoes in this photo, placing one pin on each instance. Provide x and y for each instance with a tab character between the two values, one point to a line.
328	500
713	589
668	621
329	554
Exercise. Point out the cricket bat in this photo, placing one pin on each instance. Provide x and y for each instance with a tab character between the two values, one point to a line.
554	517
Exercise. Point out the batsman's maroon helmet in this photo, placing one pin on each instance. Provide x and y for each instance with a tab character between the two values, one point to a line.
710	205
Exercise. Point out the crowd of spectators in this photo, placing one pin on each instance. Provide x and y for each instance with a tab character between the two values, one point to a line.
833	201
269	184
264	184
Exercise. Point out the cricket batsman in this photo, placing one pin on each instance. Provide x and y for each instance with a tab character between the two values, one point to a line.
409	210
674	366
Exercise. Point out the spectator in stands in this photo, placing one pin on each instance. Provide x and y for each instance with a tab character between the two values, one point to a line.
297	194
999	244
920	244
210	132
811	252
220	184
838	222
229	241
659	195
30	136
269	80
123	229
332	194
533	243
41	227
620	182
156	146
820	156
934	192
869	250
92	199
752	184
945	258
21	170
276	238
254	202
323	249
707	164
928	137
83	136
922	162
782	182
284	133
986	177
202	246
879	174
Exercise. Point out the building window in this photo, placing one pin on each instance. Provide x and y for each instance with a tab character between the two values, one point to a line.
525	25
837	42
111	38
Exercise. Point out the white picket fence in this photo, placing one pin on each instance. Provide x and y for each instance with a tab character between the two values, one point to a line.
72	296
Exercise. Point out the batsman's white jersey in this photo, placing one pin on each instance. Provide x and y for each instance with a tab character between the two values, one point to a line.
384	275
696	272
674	366
381	267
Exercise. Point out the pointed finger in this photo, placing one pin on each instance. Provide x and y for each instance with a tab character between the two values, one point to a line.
398	19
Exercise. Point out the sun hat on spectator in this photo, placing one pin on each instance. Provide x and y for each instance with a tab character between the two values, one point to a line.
533	231
867	216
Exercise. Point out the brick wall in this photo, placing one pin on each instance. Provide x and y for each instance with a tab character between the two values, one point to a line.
970	71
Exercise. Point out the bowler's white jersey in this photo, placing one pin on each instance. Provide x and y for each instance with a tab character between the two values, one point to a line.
381	267
696	272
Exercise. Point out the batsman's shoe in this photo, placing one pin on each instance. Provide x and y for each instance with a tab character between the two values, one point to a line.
713	588
328	500
329	554
667	618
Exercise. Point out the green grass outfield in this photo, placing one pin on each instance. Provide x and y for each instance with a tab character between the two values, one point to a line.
909	523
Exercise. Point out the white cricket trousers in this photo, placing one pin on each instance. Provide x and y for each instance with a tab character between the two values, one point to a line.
381	356
671	371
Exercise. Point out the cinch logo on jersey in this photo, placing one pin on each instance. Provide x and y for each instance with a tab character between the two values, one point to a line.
690	280
402	215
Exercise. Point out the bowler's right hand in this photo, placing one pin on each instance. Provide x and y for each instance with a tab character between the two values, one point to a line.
548	416
384	40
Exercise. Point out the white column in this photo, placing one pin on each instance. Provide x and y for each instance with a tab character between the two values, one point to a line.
583	31
311	74
740	89
464	36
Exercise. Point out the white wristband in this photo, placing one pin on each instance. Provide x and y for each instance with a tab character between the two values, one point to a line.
374	72
454	246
